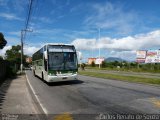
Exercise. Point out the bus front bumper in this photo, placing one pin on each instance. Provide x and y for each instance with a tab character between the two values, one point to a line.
62	78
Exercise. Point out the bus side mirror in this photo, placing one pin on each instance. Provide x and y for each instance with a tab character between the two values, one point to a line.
45	55
79	55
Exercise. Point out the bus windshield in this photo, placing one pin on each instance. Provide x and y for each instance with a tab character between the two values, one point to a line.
62	61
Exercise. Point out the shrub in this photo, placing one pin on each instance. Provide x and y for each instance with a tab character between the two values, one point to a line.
103	64
93	64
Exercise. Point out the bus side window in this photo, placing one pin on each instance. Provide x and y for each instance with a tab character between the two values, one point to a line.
37	63
45	64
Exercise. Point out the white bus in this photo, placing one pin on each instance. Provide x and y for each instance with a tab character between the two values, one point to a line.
55	62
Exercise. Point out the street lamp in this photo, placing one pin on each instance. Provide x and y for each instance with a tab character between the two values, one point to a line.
22	31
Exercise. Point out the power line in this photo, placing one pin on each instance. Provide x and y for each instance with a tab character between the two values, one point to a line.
23	31
29	14
36	7
33	11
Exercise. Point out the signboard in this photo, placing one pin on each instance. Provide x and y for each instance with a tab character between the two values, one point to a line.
141	54
99	60
153	56
150	56
140	60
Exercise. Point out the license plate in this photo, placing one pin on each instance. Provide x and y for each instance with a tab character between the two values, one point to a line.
64	78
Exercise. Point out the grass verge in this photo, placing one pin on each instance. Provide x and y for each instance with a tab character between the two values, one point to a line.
125	69
121	77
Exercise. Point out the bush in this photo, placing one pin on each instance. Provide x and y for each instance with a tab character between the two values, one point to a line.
93	64
11	71
83	66
103	64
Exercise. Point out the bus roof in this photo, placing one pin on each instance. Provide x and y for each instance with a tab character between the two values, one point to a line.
54	44
58	44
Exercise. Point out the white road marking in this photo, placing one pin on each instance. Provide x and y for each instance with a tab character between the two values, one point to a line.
43	108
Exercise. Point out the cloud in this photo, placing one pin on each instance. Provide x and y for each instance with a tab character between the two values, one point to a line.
3	51
9	16
65	35
3	3
12	40
47	33
45	19
68	2
85	44
14	5
141	41
29	50
125	55
16	33
113	17
19	5
42	19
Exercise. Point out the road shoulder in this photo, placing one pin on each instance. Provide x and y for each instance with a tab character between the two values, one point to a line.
16	99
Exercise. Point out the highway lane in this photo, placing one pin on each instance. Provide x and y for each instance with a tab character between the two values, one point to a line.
89	95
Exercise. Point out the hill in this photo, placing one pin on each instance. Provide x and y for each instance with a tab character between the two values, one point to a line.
112	59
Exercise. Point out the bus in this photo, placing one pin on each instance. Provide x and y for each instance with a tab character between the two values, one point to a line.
55	62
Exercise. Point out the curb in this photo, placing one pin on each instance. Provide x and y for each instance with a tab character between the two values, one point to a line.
43	113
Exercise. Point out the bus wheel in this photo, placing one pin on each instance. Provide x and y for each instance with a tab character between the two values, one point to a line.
42	76
34	73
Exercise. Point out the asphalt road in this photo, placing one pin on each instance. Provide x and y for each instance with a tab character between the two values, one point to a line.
89	95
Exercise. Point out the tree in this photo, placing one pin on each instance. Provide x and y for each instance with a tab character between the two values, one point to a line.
3	42
14	56
83	66
115	63
93	64
103	64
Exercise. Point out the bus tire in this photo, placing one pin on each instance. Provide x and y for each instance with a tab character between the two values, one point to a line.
42	76
34	73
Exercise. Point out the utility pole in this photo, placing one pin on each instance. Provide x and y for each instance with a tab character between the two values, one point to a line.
23	31
21	51
99	47
22	36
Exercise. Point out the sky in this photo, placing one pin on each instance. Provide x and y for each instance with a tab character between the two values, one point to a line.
113	28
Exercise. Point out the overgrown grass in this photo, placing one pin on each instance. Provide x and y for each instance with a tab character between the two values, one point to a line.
121	77
125	69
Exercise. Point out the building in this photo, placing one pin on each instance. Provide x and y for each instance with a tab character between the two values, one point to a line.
95	60
29	60
90	60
